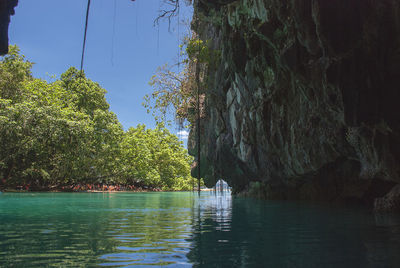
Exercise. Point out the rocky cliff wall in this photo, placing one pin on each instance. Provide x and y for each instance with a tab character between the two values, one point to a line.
303	102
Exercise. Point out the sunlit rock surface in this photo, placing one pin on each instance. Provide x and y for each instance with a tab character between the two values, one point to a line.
303	102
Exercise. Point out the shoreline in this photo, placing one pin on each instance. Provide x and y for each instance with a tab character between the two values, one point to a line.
98	191
79	188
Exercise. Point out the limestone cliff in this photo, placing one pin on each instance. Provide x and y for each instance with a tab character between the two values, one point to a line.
304	100
6	10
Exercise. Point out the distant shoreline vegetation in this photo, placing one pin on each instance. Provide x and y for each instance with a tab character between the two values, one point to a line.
87	188
62	134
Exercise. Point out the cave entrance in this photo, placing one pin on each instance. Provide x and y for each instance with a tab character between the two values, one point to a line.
222	186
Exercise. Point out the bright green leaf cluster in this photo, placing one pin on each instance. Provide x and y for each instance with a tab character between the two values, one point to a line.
156	158
201	52
63	133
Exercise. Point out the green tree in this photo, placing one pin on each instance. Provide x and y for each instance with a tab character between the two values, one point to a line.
63	133
14	69
156	158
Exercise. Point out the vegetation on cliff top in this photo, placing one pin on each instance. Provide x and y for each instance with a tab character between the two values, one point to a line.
176	88
63	133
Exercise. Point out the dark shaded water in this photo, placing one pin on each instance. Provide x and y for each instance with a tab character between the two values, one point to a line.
182	229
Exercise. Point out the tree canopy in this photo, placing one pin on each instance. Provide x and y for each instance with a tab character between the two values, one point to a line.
63	133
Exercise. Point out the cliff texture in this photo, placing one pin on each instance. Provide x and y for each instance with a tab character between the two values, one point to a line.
303	102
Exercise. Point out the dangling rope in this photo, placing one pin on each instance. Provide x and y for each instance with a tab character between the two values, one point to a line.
113	32
158	34
198	100
136	19
179	41
84	37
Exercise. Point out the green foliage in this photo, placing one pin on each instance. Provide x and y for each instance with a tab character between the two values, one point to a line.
14	69
177	90
170	90
199	51
62	133
156	158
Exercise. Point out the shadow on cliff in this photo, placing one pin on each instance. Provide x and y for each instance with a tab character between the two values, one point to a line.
304	100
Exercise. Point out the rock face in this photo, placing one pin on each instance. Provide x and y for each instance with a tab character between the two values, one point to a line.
390	202
304	100
6	10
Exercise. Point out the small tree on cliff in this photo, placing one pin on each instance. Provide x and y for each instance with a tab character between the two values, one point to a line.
176	90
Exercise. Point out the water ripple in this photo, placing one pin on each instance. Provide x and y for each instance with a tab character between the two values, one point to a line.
182	229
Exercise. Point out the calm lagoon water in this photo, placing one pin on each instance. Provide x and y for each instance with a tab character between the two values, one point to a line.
185	230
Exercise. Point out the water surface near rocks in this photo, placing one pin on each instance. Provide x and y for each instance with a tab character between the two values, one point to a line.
184	230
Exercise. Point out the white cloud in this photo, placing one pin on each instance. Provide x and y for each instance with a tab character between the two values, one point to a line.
183	134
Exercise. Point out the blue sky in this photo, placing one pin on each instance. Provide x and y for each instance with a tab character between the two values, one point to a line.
50	34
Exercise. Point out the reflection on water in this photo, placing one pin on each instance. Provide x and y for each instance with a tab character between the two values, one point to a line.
94	229
184	229
255	233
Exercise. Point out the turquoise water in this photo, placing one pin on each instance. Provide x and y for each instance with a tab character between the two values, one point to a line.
184	230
